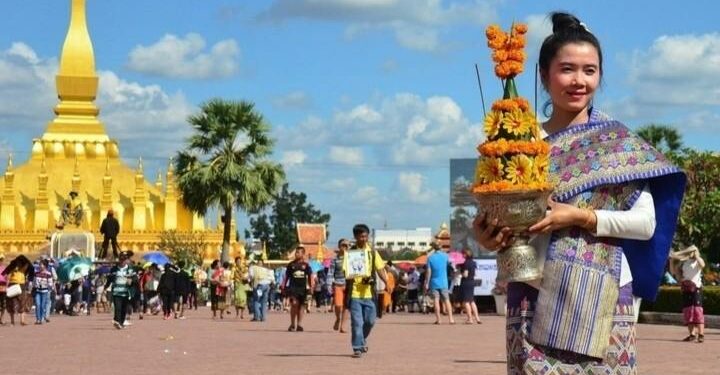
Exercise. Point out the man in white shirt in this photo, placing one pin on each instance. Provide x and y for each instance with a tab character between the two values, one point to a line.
412	289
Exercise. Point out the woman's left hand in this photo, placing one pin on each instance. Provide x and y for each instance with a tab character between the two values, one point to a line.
561	216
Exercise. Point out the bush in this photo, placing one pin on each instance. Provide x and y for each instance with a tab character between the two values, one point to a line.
670	300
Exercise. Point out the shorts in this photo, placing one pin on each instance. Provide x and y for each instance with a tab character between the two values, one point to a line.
339	296
3	304
443	294
298	294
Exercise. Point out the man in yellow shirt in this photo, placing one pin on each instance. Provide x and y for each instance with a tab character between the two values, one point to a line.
360	266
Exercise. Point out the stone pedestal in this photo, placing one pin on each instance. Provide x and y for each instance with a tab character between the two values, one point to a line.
68	239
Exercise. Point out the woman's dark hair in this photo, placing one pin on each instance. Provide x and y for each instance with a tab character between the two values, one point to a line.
214	264
226	264
566	29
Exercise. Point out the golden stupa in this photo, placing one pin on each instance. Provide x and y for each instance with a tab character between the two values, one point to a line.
76	154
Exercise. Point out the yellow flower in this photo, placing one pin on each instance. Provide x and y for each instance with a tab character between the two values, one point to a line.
540	167
489	170
517	123
492	123
519	169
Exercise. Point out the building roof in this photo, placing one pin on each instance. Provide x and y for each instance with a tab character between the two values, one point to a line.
311	233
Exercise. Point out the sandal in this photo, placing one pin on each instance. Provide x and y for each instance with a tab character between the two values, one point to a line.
689	338
701	339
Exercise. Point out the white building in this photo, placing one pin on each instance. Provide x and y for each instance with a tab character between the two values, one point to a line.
417	239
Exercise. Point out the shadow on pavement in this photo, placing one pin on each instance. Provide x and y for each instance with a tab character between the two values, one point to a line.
309	355
475	361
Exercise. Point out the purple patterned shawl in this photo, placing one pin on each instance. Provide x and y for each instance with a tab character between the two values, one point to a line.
601	164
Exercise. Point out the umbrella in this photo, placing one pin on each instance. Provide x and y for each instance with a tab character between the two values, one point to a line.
405	266
422	259
74	268
456	257
157	257
315	265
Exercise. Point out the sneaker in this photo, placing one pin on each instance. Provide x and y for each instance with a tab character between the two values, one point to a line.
117	325
364	349
291	328
127	323
300	329
357	354
701	339
182	318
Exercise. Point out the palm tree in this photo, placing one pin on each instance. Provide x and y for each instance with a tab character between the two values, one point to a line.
664	138
225	165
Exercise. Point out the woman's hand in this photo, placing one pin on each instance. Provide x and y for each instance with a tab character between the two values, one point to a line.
489	235
562	216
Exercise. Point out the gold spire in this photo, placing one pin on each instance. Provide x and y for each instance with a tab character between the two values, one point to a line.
76	177
77	84
7	208
9	167
107	182
159	181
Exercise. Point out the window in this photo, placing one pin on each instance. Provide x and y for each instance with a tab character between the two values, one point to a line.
379	243
391	244
401	243
423	244
411	243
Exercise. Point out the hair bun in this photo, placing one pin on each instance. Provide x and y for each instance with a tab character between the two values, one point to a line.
565	22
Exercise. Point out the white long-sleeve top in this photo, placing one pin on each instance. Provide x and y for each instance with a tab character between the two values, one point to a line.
637	223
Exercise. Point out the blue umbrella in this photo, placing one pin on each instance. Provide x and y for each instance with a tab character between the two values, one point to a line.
157	257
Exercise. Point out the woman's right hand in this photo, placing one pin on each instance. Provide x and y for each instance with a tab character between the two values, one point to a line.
489	235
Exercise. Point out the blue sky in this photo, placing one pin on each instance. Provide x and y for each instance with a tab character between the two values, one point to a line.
368	99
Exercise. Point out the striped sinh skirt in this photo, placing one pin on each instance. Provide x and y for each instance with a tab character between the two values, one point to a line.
524	357
692	306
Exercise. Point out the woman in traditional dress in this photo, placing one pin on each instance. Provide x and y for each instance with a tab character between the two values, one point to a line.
240	287
19	272
607	233
690	272
219	286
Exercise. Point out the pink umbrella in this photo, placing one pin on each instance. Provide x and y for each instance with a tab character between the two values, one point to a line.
456	257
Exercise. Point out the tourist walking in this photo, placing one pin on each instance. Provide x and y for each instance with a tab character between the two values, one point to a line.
121	279
240	287
296	286
362	272
336	278
109	228
262	280
467	288
607	234
436	282
167	290
19	273
149	284
691	266
219	288
413	287
42	285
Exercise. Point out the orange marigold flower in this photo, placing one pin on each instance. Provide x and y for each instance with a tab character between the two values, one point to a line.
516	55
492	31
505	105
500	55
520	28
498	42
517	42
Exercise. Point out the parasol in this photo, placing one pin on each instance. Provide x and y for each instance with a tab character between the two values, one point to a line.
74	268
157	257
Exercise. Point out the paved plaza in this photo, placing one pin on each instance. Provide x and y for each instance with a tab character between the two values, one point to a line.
400	344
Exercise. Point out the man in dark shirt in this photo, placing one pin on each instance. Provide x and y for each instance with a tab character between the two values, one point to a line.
109	228
298	281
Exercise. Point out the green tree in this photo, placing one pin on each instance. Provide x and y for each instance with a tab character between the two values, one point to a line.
224	164
185	246
698	223
664	138
278	227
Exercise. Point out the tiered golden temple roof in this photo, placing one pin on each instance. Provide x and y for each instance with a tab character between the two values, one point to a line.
76	154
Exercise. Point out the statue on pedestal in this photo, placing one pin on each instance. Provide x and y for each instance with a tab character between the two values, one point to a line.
72	212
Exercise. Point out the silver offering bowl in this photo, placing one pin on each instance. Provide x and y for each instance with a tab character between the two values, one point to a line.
517	210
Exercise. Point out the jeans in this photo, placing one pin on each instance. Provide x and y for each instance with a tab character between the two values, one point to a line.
260	302
41	302
49	305
120	303
362	319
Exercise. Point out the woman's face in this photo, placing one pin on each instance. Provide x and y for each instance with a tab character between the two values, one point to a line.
573	76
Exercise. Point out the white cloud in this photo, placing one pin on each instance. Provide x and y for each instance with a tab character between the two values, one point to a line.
413	187
341	184
366	194
678	70
416	24
292	158
146	120
346	155
293	100
389	66
186	57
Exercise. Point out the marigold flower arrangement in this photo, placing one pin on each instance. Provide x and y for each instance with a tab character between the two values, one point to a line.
513	157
